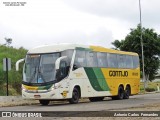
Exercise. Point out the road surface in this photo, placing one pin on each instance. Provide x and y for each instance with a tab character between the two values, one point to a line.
85	105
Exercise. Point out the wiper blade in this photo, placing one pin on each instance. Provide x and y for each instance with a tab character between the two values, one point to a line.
33	75
40	75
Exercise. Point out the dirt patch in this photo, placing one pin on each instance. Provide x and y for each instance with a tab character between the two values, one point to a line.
15	101
150	107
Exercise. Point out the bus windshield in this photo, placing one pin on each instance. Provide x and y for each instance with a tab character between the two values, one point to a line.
40	68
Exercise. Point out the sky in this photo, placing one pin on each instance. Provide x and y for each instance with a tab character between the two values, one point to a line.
88	22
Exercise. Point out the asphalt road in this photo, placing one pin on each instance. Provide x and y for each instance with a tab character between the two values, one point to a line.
86	105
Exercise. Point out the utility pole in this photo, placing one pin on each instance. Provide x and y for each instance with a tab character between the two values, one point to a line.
144	80
6	68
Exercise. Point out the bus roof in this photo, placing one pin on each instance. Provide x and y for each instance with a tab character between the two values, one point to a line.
62	47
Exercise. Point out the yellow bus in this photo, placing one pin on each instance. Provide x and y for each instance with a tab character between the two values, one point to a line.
70	71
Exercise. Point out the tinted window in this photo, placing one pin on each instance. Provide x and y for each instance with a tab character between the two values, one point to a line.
129	61
102	59
69	54
47	65
80	60
112	60
40	68
135	61
121	61
91	58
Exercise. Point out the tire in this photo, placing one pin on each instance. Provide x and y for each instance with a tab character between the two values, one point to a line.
127	92
75	96
120	95
44	102
95	99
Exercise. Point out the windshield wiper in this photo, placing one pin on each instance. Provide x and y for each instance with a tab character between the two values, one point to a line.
40	75
33	75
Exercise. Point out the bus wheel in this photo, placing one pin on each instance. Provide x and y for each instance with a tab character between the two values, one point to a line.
120	93
44	102
75	96
127	92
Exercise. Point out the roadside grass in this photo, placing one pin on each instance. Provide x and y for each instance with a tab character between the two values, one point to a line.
11	90
14	77
150	87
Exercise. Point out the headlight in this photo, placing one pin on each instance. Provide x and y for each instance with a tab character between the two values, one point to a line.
23	88
56	85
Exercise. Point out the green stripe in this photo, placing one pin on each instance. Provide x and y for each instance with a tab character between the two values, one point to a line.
44	87
84	49
93	80
101	79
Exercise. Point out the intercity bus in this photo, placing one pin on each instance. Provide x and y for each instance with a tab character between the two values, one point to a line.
71	72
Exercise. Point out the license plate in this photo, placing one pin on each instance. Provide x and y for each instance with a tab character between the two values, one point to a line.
37	96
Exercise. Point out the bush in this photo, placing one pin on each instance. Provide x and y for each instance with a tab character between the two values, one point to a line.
14	77
17	87
3	90
150	89
141	89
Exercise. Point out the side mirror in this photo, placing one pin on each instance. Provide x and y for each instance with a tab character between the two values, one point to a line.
17	64
57	63
75	67
60	66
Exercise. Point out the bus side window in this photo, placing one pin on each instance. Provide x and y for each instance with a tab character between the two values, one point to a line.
121	61
69	54
102	59
63	67
80	59
112	60
63	71
91	58
135	61
129	61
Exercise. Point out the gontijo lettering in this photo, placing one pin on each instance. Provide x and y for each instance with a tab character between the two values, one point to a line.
113	73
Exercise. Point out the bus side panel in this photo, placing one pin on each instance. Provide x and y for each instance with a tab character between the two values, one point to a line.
104	81
116	77
91	85
79	78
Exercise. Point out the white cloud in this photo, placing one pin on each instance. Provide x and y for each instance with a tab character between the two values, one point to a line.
97	22
117	9
126	10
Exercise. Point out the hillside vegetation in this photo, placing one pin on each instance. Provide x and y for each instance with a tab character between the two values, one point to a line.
15	78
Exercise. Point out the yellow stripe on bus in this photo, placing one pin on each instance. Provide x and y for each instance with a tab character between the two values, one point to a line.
102	49
30	87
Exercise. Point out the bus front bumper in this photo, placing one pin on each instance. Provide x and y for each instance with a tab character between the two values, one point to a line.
38	95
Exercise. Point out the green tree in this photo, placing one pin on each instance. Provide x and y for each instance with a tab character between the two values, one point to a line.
151	46
117	44
8	41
